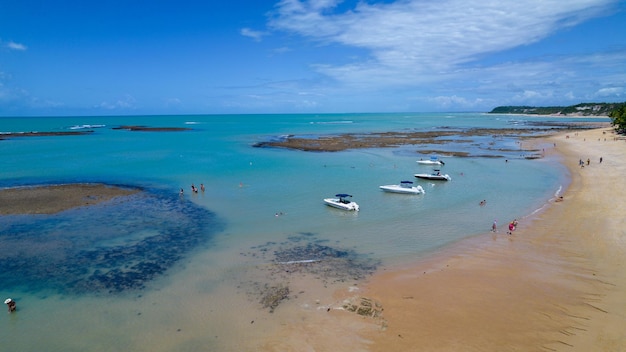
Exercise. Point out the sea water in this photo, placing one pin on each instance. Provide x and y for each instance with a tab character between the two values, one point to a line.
196	255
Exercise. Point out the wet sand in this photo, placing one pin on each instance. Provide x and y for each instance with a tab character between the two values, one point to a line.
56	198
556	284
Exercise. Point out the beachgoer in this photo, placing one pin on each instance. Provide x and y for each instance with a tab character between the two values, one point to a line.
182	192
482	202
588	161
193	188
11	304
511	227
600	160
494	227
202	187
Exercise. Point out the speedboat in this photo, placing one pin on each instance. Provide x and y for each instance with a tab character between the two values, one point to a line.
435	175
405	187
342	202
432	161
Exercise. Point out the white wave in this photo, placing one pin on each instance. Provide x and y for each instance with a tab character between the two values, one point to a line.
558	191
331	122
82	127
300	261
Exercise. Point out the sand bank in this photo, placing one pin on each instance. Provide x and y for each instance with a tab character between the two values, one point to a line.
56	198
556	284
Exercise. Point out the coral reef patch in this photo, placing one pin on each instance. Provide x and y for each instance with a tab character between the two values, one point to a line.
110	247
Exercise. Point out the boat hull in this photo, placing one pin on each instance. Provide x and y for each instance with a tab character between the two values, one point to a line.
336	203
403	190
434	177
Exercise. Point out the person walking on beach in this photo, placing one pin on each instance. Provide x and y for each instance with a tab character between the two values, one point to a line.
494	227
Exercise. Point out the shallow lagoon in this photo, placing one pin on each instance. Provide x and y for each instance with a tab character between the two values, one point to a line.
202	264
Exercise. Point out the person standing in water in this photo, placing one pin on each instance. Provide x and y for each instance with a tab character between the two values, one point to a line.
10	304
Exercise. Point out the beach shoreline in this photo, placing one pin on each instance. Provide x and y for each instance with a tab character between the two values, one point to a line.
554	285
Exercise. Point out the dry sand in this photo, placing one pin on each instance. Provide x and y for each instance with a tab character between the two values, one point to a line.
556	284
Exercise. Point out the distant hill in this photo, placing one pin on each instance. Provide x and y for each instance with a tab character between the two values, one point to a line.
584	109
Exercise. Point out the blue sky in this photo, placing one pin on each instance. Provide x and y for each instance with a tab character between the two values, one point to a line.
317	56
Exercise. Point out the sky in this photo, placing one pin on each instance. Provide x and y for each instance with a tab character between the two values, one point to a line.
113	57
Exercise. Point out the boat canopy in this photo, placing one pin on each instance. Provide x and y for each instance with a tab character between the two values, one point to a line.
406	181
342	195
436	158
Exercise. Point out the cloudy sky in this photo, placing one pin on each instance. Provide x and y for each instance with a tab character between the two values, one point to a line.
307	56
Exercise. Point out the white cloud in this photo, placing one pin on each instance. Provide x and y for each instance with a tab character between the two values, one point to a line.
417	41
126	103
256	35
456	102
16	46
610	92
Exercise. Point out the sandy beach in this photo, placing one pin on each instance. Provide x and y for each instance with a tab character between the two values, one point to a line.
556	284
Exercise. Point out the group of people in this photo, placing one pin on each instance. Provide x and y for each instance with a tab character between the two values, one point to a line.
512	226
581	163
194	189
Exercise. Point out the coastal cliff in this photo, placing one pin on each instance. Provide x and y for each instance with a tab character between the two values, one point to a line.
583	109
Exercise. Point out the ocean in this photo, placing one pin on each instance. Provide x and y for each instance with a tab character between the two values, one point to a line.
164	272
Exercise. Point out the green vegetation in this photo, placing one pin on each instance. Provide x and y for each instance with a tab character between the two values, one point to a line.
584	109
618	118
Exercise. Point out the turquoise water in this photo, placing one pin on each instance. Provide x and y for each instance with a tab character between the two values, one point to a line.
202	245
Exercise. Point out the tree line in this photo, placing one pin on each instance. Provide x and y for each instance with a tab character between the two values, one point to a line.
618	118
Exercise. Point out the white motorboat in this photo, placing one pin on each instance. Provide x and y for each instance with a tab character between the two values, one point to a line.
342	202
405	187
432	161
435	175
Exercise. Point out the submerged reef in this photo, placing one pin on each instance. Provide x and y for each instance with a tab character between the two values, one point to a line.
455	139
110	247
302	255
